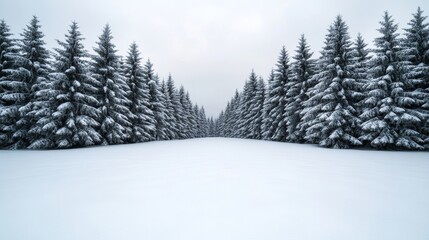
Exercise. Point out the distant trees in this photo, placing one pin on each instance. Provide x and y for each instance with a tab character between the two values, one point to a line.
74	99
350	96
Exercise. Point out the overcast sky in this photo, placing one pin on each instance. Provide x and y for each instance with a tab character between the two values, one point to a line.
210	47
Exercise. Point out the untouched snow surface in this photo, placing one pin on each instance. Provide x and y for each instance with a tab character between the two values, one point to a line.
213	188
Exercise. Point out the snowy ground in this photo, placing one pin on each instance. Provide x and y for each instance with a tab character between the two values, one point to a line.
213	188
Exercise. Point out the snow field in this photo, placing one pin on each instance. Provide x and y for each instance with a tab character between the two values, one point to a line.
213	188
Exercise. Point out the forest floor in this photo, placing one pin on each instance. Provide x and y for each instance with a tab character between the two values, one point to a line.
214	188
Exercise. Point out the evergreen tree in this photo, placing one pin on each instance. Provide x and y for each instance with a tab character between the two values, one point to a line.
111	95
247	105
268	107
191	116
275	123
202	123
257	110
155	116
176	108
34	65
302	70
157	106
197	127
360	71
15	94
170	120
75	110
9	78
187	113
138	96
336	119
415	50
219	124
387	123
34	129
227	128
235	115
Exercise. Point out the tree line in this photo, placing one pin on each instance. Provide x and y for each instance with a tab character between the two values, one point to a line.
351	96
69	98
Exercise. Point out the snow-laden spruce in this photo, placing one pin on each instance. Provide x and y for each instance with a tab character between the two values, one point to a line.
115	127
415	50
10	98
35	115
331	100
251	109
75	114
302	71
176	109
388	122
275	123
155	102
360	65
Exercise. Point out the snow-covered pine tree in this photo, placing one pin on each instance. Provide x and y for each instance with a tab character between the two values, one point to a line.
8	111
33	128
111	96
191	117
187	111
181	94
247	116
275	122
203	123
75	111
360	71
415	51
336	118
211	132
303	69
133	76
219	124
268	107
257	110
170	120
387	123
176	107
235	114
227	119
16	85
155	117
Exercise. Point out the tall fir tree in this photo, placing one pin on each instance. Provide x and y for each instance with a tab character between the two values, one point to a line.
192	118
170	120
15	85
202	123
268	106
247	115
360	61
157	117
303	69
235	115
111	95
387	122
75	110
176	107
257	110
336	118
415	51
187	113
8	111
34	64
275	122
